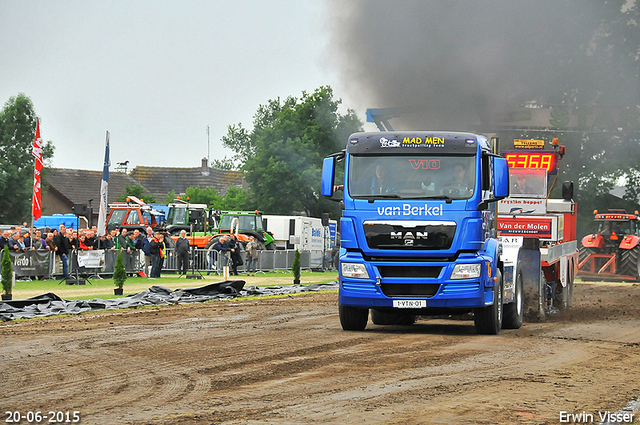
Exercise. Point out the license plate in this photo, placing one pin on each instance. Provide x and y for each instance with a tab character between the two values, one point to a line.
409	303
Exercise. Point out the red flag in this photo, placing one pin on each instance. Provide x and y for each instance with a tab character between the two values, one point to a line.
36	207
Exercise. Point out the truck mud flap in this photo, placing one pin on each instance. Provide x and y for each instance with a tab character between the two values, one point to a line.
533	285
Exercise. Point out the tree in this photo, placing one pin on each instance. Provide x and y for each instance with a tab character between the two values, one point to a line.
7	271
282	155
236	199
119	273
17	132
138	191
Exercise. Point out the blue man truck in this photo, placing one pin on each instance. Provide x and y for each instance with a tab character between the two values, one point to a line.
418	229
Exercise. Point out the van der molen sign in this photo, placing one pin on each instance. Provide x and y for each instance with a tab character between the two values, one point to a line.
577	118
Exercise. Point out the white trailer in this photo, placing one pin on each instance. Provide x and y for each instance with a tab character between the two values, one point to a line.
296	232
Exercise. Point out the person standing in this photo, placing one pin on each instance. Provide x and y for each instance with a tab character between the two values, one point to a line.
4	238
157	254
182	252
252	256
234	247
146	248
130	263
62	249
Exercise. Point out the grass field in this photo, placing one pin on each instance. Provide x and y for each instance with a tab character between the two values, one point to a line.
103	288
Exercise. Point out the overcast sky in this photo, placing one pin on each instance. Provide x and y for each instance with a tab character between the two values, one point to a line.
156	74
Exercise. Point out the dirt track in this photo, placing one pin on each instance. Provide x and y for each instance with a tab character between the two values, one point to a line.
288	361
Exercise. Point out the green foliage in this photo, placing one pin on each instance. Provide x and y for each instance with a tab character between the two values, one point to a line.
208	196
235	199
282	156
295	267
171	196
119	273
7	271
138	191
17	132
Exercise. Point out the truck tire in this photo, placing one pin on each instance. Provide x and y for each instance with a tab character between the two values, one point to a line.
170	243
353	318
629	264
514	312
488	320
271	246
390	317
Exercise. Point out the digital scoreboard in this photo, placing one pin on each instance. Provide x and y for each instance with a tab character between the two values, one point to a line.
533	160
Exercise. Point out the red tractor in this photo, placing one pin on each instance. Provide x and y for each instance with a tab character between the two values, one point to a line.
612	252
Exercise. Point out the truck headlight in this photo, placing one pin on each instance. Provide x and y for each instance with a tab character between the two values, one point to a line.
354	270
466	271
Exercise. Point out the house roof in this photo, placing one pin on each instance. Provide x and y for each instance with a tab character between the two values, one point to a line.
161	180
78	186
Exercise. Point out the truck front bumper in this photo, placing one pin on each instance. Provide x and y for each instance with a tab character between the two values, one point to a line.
381	287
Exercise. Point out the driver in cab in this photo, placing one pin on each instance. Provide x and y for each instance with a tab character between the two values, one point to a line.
458	184
381	181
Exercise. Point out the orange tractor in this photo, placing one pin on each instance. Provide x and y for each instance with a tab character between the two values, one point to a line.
612	252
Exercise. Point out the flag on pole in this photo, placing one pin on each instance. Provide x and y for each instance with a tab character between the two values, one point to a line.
36	207
102	215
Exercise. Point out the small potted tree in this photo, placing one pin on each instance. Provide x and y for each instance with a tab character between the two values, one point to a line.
119	274
7	275
295	267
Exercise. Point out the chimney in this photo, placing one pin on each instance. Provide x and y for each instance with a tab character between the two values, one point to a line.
204	168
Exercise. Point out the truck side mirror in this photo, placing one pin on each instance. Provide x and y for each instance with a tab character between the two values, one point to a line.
567	190
328	174
501	178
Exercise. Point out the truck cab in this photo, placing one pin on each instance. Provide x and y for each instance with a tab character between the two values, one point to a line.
418	228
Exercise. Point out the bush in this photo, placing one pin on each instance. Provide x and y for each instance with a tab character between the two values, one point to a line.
119	273
295	267
7	271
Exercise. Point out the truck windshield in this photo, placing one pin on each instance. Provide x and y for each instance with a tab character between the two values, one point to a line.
246	222
407	177
620	228
177	216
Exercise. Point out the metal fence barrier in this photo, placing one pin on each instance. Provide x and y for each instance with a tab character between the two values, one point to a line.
101	263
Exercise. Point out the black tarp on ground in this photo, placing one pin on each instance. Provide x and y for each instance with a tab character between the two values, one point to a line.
50	304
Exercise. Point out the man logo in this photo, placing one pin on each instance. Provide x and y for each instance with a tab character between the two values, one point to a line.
409	235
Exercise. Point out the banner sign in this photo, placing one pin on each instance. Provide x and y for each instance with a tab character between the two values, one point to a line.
528	226
528	144
32	263
91	259
522	206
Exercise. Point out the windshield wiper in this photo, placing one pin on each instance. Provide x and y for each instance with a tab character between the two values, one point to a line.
445	197
380	196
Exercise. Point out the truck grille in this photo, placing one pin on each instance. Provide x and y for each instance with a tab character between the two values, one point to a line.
409	271
409	289
409	235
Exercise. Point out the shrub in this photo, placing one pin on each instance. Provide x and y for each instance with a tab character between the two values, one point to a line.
119	273
7	271
295	267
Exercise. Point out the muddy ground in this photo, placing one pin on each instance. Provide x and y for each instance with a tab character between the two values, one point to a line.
287	361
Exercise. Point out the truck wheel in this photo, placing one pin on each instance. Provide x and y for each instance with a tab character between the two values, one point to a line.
353	318
629	265
169	242
514	312
488	320
209	248
387	317
271	246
